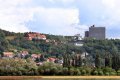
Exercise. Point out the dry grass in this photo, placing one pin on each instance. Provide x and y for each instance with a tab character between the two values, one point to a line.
83	77
10	37
56	77
19	77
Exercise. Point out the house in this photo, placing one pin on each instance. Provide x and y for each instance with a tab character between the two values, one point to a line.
34	35
47	41
34	56
23	54
77	40
78	37
51	60
78	43
8	54
40	63
84	54
60	62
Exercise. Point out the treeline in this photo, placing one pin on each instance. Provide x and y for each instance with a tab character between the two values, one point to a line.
93	46
20	67
111	61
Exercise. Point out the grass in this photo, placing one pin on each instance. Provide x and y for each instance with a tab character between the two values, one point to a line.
10	37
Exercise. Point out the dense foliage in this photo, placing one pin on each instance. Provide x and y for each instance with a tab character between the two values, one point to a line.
17	67
28	67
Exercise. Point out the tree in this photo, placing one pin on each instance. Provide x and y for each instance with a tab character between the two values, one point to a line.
97	61
116	61
78	60
108	60
17	67
66	60
42	58
49	68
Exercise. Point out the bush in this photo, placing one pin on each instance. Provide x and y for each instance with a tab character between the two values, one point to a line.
107	73
71	71
65	71
41	72
118	72
83	72
49	68
77	72
54	71
46	71
17	67
95	72
100	73
88	71
113	73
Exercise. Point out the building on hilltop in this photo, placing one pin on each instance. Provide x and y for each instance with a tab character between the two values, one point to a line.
86	33
34	35
96	33
77	37
77	40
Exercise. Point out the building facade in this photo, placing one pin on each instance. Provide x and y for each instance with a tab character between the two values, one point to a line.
96	33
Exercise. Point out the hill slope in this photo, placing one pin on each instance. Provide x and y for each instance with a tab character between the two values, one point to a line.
55	45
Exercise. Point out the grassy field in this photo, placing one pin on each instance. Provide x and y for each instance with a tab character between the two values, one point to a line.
10	37
59	77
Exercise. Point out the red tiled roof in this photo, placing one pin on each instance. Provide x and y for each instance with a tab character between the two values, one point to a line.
51	59
35	55
35	35
8	53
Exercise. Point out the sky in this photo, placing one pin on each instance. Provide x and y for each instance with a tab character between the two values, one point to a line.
60	17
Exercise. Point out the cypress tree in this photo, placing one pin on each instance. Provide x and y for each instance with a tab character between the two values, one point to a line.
80	61
97	61
108	61
116	61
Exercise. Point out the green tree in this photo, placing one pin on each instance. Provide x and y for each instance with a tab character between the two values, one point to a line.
116	61
108	60
97	61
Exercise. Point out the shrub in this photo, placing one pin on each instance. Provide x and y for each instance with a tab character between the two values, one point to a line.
95	72
71	71
77	72
65	71
100	73
83	72
54	71
46	71
118	72
107	73
50	68
113	73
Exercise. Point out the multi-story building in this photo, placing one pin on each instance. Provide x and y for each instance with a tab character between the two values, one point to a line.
96	33
86	33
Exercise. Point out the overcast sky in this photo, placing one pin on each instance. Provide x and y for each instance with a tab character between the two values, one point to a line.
60	17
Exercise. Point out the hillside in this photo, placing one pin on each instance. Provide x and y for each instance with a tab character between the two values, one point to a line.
97	53
55	45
